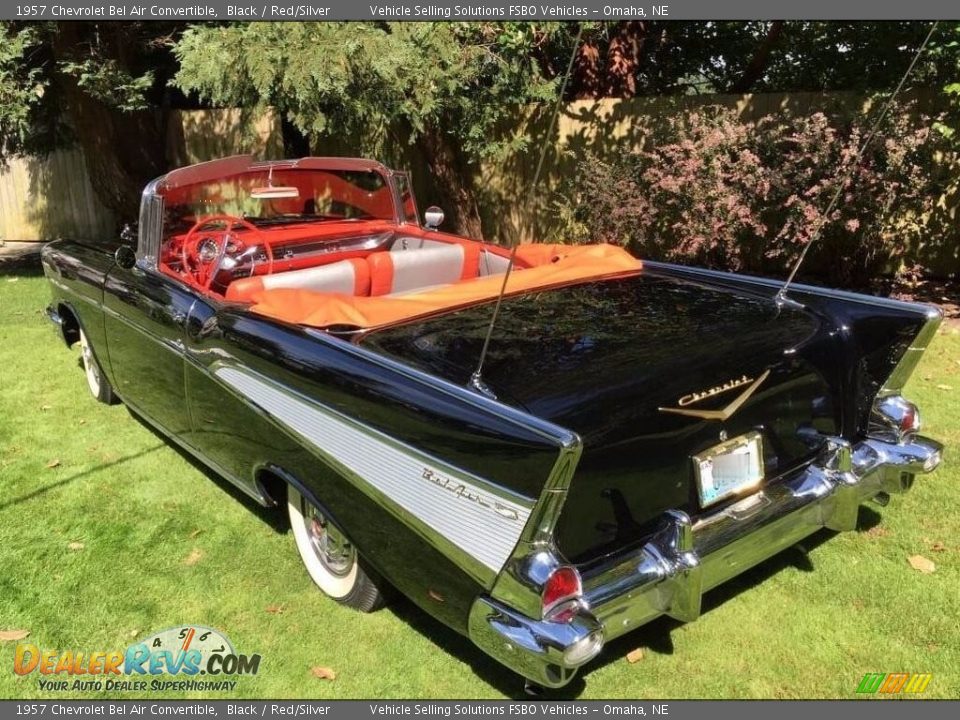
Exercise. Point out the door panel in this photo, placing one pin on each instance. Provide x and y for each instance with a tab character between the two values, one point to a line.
226	429
144	317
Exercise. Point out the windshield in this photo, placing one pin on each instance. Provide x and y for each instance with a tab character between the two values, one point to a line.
277	196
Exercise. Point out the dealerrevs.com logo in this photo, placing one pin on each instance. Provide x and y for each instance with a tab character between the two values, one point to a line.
190	657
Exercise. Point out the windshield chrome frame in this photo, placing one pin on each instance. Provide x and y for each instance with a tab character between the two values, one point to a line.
150	227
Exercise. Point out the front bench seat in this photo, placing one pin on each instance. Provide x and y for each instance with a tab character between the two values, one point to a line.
401	271
351	277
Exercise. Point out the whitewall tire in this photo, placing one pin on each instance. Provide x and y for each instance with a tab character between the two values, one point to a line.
330	558
99	386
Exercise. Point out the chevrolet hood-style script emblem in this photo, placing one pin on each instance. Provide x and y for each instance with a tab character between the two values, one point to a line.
722	413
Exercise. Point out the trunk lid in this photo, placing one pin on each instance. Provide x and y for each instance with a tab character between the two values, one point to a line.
610	359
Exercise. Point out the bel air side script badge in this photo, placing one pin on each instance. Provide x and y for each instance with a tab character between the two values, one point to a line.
722	413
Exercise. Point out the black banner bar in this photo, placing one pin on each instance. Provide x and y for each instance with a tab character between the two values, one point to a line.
476	10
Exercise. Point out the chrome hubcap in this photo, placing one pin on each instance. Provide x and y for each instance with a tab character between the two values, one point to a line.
329	544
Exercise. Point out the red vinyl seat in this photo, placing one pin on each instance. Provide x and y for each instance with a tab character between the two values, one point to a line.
350	277
408	270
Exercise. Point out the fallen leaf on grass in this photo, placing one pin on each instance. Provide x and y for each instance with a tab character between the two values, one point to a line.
877	531
83	422
194	557
12	279
134	633
938	546
44	407
11	635
274	609
195	533
75	546
324	673
944	387
53	463
635	656
919	562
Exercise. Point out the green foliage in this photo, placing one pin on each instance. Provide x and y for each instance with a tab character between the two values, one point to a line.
104	80
950	49
43	65
365	78
22	87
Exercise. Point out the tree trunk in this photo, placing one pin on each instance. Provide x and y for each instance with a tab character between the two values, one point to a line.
123	150
760	61
623	59
454	183
585	83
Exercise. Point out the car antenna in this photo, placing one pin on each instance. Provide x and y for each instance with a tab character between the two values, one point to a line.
476	379
818	228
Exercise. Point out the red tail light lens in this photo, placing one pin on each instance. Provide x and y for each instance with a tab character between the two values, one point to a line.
910	420
561	594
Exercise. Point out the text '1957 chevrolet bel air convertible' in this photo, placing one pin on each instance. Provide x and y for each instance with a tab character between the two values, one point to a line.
642	431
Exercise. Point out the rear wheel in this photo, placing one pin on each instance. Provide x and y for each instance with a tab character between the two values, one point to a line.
329	556
99	386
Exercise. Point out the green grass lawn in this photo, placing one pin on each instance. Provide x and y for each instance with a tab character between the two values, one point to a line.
162	543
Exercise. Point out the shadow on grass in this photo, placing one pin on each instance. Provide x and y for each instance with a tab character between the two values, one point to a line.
73	478
270	516
655	636
21	265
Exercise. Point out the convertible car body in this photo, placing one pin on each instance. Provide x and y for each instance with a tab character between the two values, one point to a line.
641	432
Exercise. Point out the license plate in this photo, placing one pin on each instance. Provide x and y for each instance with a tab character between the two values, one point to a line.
734	467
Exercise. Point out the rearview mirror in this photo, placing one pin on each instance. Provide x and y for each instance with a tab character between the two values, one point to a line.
432	217
273	193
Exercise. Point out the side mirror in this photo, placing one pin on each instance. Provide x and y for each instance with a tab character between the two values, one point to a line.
432	217
125	257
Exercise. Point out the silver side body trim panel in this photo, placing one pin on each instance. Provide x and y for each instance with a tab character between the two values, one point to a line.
473	522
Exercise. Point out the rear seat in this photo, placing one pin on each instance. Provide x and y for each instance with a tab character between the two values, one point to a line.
351	277
406	270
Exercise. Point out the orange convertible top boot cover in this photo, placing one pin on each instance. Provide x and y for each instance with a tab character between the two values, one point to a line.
538	267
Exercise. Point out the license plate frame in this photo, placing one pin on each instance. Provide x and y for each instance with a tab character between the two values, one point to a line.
732	468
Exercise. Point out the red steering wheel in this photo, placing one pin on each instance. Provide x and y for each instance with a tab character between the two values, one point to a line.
200	267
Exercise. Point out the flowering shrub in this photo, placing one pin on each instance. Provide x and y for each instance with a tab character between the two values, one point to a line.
711	189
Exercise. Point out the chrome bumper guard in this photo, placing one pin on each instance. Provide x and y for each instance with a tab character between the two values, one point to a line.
670	572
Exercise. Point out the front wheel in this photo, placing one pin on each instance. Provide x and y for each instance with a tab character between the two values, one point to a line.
329	556
99	386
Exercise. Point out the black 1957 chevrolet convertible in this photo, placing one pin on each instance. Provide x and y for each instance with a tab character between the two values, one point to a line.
642	432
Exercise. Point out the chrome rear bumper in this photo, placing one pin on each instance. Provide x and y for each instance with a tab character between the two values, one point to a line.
669	574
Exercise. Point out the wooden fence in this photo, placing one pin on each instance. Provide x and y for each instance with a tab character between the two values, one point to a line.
46	198
42	199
